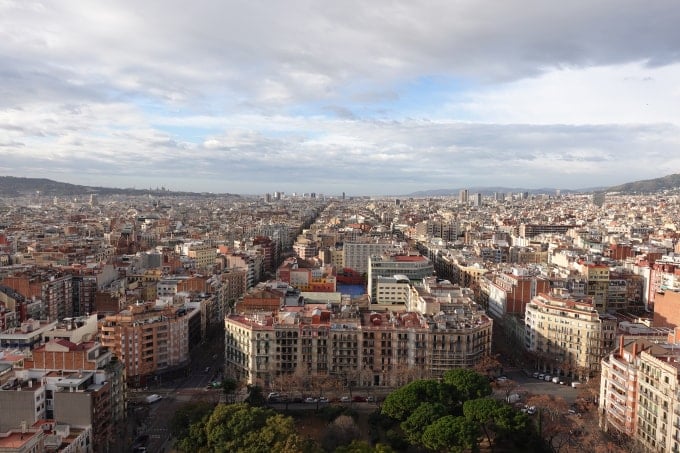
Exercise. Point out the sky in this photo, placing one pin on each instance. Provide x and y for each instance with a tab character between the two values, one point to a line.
364	97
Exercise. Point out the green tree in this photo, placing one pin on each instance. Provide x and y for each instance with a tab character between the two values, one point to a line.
402	402
278	435
195	440
242	428
483	412
229	386
452	434
255	396
421	418
468	383
188	414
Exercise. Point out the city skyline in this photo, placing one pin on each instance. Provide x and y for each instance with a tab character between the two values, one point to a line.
381	98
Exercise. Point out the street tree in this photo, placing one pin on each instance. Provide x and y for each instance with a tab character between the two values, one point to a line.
229	387
421	418
452	434
255	396
188	414
341	431
468	383
405	400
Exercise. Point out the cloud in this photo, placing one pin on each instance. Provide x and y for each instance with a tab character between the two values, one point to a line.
361	97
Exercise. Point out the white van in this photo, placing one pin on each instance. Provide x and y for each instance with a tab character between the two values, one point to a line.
576	384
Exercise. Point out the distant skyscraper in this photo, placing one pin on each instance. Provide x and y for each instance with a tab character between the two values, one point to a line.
463	196
343	195
477	199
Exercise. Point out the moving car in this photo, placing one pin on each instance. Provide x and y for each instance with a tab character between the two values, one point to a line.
152	398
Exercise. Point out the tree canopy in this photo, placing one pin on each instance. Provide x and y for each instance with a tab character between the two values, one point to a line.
242	428
405	400
451	433
468	383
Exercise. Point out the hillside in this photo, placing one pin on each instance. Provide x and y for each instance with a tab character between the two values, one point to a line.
12	186
669	182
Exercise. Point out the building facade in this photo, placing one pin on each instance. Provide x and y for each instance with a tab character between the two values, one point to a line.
369	348
567	334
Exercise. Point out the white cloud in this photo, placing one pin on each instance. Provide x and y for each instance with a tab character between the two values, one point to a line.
381	96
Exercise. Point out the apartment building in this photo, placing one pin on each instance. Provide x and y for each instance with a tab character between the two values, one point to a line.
391	291
667	308
413	267
22	440
27	336
509	292
568	335
202	254
368	347
52	288
658	416
529	230
355	254
22	399
448	230
150	339
618	398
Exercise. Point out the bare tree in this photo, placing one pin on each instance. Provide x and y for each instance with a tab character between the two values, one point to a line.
553	424
341	431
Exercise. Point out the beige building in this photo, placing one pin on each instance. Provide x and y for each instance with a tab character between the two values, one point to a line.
658	424
391	291
364	347
202	254
567	334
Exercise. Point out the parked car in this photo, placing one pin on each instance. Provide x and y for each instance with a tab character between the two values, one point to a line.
541	376
576	384
345	399
310	400
323	399
273	395
359	399
556	380
548	377
370	399
531	410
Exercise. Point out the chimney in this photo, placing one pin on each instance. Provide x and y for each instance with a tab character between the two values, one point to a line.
621	346
635	349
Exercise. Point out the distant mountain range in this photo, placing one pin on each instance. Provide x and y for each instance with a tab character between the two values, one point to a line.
492	190
12	186
669	182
